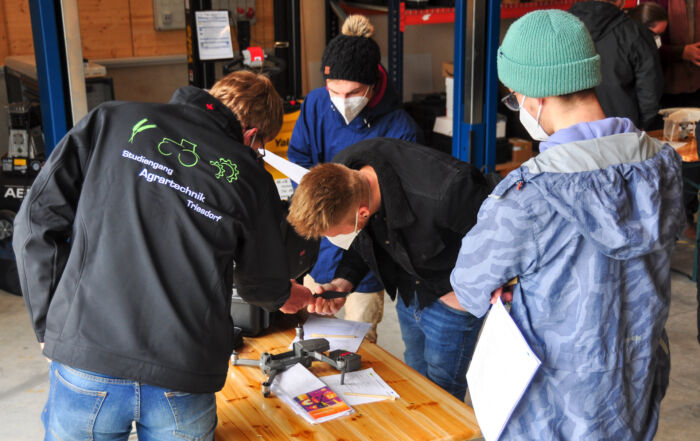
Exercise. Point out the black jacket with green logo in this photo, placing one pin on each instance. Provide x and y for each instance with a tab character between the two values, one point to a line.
127	242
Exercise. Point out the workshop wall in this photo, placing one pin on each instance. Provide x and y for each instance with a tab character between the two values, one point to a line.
123	29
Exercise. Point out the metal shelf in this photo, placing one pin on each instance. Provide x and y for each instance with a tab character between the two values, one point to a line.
518	10
409	17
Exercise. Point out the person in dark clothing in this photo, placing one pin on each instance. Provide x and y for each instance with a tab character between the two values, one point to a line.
126	248
632	77
653	16
400	209
357	103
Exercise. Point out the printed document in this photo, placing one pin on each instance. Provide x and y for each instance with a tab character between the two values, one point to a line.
293	171
341	334
360	387
501	369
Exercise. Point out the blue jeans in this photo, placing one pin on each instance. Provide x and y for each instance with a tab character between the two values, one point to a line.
439	342
90	406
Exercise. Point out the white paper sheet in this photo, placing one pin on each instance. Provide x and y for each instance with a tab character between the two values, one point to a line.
363	383
213	35
501	369
293	171
341	334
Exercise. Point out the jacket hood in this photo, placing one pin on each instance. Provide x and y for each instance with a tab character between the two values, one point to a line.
203	101
621	191
385	102
599	17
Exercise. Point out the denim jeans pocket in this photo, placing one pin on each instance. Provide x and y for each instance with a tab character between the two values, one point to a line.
74	409
194	415
453	310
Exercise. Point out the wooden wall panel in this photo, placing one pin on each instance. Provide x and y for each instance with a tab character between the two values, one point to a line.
149	42
4	44
116	29
19	27
105	28
263	32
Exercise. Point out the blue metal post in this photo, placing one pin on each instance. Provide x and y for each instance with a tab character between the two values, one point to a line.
50	70
476	143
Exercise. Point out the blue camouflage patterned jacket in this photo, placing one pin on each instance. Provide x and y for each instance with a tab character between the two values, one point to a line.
589	227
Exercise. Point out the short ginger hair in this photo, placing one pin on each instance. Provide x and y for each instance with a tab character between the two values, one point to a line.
326	196
253	99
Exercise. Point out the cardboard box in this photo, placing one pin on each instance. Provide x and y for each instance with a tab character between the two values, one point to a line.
522	149
448	69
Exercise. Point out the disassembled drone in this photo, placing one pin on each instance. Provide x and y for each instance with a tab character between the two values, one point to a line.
304	352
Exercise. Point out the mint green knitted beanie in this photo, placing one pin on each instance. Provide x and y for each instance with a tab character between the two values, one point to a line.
548	53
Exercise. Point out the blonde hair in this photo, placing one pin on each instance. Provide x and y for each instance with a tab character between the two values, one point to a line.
357	26
326	196
253	99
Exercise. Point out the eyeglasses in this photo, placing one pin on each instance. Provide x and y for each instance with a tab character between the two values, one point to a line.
511	102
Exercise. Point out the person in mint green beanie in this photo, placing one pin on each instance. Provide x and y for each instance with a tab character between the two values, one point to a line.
587	227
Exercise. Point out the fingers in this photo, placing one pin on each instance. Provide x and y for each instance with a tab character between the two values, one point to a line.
325	307
496	295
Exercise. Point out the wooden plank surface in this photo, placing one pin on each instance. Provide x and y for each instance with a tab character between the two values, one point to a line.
424	411
19	27
4	43
688	151
105	28
149	42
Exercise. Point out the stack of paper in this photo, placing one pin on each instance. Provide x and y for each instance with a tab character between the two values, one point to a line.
341	334
308	396
360	387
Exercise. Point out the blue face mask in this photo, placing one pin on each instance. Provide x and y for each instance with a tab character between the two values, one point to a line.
531	124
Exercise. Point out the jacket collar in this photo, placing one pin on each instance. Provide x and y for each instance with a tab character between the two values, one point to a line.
202	101
595	154
394	202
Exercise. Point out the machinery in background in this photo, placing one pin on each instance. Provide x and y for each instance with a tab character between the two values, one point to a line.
25	148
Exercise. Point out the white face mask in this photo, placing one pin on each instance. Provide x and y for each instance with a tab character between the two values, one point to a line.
531	124
345	240
350	107
657	40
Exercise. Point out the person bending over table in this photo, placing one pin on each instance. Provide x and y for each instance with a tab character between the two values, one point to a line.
400	209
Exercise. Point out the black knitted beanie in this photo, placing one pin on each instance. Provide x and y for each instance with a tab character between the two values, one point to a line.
352	55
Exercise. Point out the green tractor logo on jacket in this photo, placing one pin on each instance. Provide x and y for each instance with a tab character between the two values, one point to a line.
187	154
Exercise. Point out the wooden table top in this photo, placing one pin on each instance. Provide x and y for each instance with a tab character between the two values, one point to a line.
424	411
688	151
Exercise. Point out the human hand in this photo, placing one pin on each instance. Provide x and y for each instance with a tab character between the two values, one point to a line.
299	297
504	292
450	299
329	306
691	52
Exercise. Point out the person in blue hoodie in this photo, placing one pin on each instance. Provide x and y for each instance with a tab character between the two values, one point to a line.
588	227
357	103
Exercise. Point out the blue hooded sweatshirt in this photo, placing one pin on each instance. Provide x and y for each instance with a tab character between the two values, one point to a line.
321	132
588	226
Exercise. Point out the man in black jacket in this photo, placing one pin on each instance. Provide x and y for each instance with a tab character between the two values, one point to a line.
400	210
633	80
126	248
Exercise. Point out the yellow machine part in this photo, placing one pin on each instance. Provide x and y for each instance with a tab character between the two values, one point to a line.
280	144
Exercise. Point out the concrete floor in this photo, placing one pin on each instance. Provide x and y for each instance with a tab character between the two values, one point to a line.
24	371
